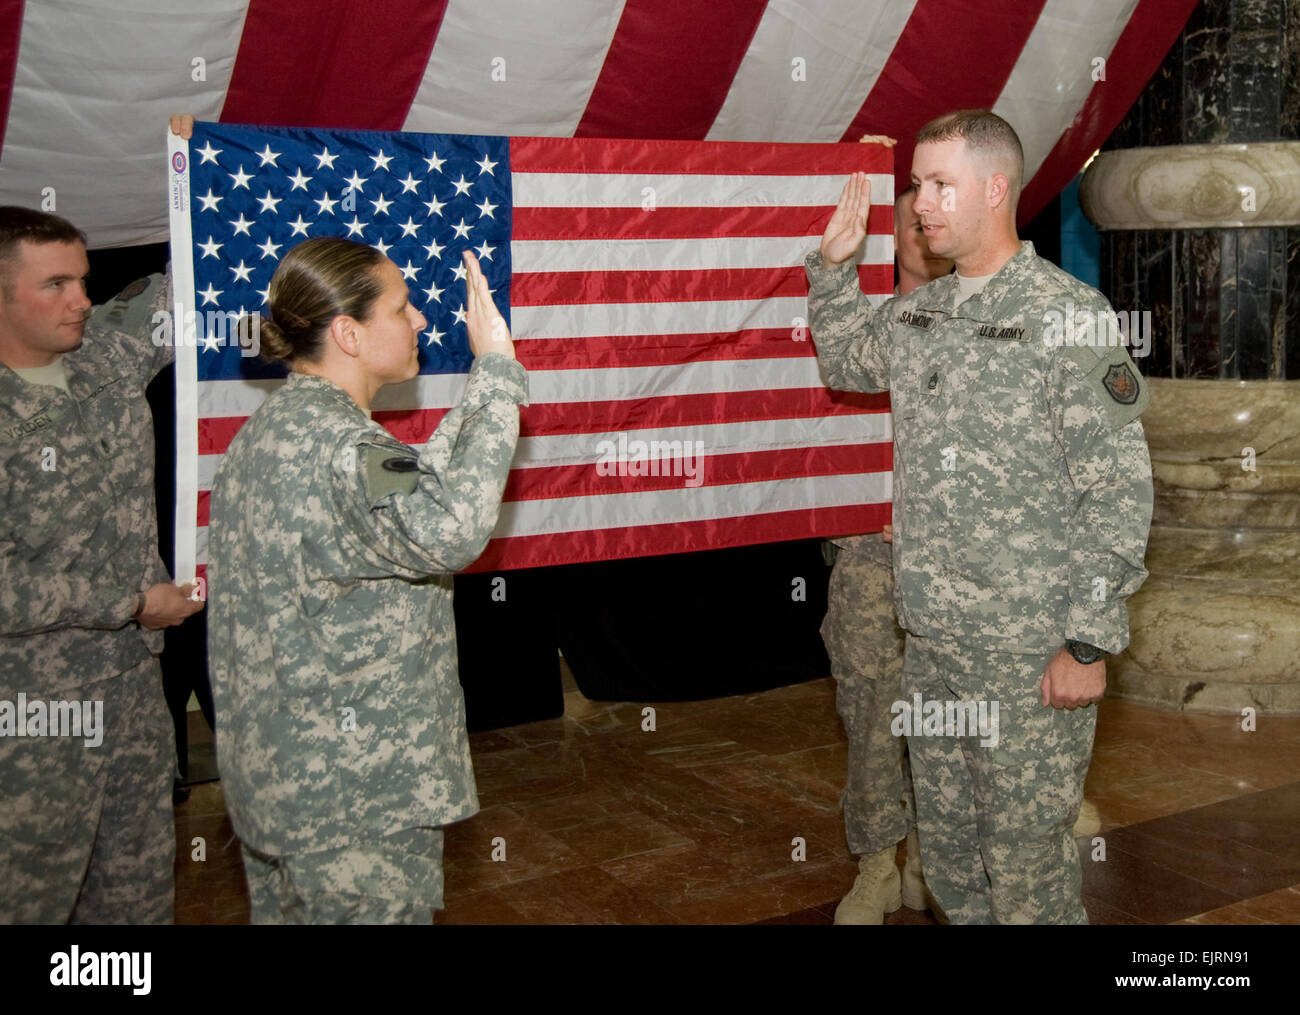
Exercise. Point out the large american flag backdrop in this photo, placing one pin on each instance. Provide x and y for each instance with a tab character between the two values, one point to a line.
655	292
85	88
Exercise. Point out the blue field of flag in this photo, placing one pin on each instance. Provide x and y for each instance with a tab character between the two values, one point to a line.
421	199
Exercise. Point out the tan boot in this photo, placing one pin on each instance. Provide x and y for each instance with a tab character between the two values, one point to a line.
875	892
1088	823
915	894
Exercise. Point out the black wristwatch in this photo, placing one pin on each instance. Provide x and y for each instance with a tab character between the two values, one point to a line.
1083	652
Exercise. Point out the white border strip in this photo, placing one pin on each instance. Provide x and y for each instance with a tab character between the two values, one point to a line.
185	560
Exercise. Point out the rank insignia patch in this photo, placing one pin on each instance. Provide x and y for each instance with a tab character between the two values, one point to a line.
1121	384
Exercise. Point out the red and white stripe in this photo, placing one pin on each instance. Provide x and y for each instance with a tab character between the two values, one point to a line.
85	89
684	323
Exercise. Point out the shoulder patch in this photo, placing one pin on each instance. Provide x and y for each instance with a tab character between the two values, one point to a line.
125	312
387	471
1121	383
1122	394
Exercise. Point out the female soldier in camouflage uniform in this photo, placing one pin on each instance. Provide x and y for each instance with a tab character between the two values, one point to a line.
340	722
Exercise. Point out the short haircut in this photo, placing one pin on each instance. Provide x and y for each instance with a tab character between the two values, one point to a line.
18	224
986	134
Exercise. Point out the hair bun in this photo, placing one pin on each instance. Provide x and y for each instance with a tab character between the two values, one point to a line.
318	280
275	345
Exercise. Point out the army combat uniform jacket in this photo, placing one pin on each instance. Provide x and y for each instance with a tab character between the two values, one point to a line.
332	642
869	546
78	528
1022	483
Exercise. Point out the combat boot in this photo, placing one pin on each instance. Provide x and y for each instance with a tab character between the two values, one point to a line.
1088	822
875	892
915	894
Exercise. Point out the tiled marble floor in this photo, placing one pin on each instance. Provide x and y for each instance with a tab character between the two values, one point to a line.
692	823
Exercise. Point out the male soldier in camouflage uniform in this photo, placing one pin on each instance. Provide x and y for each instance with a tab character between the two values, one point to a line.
865	644
340	720
1023	498
86	833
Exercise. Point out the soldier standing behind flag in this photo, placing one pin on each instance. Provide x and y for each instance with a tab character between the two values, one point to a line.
86	829
865	645
340	721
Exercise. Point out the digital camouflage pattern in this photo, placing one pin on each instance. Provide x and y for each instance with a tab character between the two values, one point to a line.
1022	503
88	833
996	823
865	645
397	880
869	544
1022	484
78	528
331	637
78	541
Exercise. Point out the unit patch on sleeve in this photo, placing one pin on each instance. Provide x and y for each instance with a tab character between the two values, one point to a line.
388	471
1121	384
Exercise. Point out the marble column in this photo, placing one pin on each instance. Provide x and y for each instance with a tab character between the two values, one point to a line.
1225	303
1198	196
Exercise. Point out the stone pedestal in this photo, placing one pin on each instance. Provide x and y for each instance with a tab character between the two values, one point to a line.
1217	625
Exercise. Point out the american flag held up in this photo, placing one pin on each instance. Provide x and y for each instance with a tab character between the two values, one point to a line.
655	292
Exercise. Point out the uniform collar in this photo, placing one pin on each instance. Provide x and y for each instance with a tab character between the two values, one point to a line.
321	387
23	399
89	367
985	305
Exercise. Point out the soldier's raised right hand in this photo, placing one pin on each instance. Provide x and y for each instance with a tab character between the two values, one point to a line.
848	226
487	328
166	605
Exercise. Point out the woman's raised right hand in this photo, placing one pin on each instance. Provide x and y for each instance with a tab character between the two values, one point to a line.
487	328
